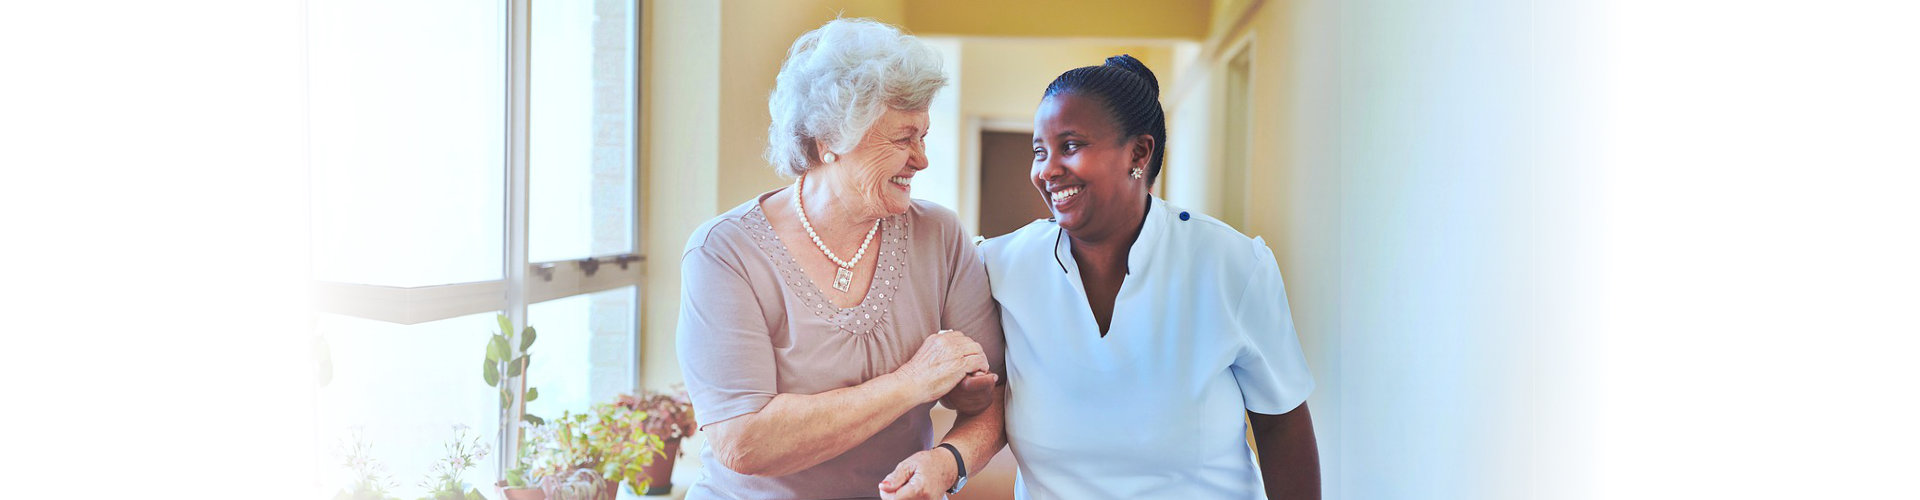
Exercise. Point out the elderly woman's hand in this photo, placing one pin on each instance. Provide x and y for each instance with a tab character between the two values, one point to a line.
943	359
924	475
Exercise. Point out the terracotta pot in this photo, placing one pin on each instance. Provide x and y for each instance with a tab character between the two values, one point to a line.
660	472
610	491
518	493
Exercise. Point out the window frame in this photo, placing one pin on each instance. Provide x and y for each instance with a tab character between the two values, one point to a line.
524	283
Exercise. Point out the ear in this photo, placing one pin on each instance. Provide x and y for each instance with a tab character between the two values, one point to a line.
1141	151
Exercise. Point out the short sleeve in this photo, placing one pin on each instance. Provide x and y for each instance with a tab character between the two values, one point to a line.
1270	367
726	354
969	306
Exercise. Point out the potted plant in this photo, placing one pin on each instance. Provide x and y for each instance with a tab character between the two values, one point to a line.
370	479
443	481
669	419
544	455
617	435
520	484
580	456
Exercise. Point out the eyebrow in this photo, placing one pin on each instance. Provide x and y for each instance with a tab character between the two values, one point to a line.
1063	134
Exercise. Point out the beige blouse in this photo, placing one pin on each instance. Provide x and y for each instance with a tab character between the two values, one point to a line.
753	325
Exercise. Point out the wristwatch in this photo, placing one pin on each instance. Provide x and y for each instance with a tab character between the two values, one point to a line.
957	462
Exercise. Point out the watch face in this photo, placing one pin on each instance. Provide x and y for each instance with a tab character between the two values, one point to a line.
958	484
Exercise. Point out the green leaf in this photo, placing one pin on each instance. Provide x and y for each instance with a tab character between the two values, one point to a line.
526	338
506	400
491	373
533	393
506	326
514	367
534	419
497	348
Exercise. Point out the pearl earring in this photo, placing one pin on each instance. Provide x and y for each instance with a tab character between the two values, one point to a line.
832	157
1139	172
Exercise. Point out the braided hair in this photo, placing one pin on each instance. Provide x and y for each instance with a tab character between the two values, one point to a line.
1132	98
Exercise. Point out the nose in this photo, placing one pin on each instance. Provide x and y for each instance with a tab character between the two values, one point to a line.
1049	169
917	156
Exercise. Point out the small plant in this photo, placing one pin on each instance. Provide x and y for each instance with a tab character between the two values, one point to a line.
552	448
370	479
611	441
669	415
617	434
443	480
562	457
502	366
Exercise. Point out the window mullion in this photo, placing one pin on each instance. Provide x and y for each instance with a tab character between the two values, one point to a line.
639	208
518	79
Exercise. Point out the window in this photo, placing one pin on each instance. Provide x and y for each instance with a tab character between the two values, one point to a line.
468	159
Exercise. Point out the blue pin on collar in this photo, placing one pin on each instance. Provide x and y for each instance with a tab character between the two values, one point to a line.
1184	216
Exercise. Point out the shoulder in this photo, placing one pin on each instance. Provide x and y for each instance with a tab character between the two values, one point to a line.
722	231
932	217
1206	239
1007	245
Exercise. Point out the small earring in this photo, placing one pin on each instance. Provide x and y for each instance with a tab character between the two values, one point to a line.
832	157
1139	172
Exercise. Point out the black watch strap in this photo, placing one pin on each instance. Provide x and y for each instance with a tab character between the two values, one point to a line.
960	480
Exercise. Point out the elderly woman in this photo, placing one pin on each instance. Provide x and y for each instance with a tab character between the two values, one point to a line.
1141	338
820	322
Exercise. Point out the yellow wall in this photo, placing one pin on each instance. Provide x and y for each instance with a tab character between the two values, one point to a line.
679	95
1005	77
1186	19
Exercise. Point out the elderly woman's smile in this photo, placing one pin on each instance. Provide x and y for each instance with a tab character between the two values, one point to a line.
878	172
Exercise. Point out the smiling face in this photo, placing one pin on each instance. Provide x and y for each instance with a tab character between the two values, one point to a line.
878	172
1082	164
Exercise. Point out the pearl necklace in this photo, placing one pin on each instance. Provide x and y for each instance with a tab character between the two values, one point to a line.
842	279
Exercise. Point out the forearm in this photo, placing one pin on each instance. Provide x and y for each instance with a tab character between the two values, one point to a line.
1289	454
798	431
979	435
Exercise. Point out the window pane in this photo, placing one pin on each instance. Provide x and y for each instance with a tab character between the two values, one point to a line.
584	354
407	126
581	129
403	388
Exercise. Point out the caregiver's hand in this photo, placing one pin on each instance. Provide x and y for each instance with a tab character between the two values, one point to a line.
943	359
973	394
926	474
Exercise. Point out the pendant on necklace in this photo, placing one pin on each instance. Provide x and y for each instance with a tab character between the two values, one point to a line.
843	279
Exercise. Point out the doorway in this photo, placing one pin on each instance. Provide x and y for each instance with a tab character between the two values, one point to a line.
1008	200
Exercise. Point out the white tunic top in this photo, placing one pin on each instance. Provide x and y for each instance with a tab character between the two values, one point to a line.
1200	334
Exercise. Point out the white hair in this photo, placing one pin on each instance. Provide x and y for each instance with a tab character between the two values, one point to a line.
839	79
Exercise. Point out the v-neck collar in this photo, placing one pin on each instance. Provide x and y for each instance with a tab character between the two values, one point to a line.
1138	255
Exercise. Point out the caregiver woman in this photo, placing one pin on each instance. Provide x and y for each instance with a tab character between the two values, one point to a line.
820	322
1141	337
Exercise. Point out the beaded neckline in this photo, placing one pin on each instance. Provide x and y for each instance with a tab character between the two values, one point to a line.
873	310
